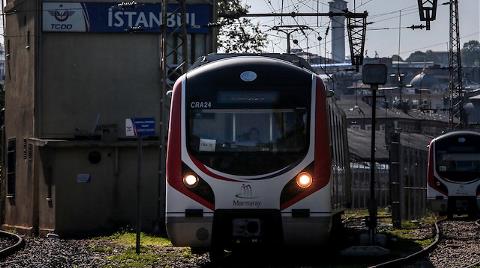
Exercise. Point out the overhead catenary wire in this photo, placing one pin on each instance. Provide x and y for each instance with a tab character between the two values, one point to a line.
367	2
395	17
313	5
409	10
437	44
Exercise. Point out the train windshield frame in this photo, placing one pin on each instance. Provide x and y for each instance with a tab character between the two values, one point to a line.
249	132
458	158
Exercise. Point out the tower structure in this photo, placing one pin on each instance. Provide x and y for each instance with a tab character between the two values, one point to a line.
455	67
338	30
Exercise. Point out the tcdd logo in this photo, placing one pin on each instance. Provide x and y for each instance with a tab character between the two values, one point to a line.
61	14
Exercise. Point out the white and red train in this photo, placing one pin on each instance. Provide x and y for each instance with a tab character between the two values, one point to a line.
257	154
453	177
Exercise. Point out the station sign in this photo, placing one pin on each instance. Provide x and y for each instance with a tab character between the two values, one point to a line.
140	127
112	17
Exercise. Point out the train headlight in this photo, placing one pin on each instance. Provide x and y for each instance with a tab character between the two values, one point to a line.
190	181
304	180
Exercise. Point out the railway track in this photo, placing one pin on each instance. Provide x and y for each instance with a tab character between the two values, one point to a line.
9	243
459	245
455	247
456	244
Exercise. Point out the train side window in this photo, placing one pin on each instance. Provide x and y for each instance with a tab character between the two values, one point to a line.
332	135
11	166
343	143
339	142
336	139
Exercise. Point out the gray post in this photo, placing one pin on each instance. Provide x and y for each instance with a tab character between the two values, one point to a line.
288	42
139	177
373	203
394	174
373	75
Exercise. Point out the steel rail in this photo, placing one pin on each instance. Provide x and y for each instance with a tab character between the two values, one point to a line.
7	251
411	257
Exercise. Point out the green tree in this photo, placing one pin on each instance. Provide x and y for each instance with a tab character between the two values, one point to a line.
471	53
419	56
396	58
238	35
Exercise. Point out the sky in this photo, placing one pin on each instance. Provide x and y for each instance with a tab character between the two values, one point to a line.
383	14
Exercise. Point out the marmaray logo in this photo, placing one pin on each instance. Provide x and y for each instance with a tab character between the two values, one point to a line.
246	192
61	14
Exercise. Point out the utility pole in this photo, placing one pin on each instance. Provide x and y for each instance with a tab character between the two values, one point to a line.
428	11
288	30
455	66
172	65
400	77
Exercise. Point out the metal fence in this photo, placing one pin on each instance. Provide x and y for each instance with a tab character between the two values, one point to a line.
2	174
412	181
361	184
413	166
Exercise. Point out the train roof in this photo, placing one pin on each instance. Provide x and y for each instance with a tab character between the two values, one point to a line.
267	71
457	132
290	58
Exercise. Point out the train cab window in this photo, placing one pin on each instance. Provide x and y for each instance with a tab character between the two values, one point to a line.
458	159
239	141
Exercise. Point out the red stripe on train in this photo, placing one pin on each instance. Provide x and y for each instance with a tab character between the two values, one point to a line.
431	176
174	148
322	161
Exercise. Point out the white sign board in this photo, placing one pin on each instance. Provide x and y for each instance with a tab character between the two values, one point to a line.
207	145
129	128
64	17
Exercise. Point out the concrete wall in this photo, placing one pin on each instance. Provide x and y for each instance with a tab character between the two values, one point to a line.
105	78
109	198
21	48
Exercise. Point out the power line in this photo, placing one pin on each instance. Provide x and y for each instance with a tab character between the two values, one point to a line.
395	17
437	44
365	3
409	8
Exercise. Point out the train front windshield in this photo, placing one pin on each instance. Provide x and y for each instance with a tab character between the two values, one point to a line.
458	158
250	140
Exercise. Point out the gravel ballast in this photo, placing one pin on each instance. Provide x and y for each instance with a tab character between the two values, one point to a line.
459	246
55	252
